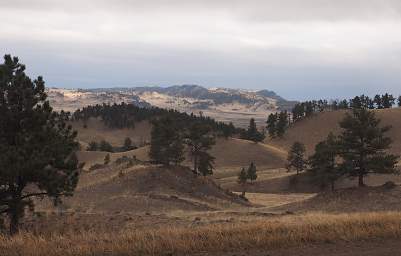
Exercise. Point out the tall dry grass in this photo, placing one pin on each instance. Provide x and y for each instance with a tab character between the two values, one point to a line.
269	233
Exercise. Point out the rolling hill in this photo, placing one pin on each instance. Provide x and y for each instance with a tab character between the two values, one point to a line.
312	130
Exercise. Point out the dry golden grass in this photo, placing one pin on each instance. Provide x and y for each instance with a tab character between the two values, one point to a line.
270	233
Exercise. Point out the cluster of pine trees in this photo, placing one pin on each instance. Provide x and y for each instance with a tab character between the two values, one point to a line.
245	176
170	141
252	132
105	146
360	149
278	123
126	115
305	109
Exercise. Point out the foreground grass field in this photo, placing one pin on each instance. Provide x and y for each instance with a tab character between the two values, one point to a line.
274	232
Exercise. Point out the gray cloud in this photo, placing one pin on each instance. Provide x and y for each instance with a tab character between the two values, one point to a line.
325	47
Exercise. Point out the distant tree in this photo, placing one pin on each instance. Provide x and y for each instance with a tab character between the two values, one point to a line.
271	125
243	180
128	144
166	145
356	102
282	124
37	147
107	159
378	101
199	140
388	100
323	168
296	158
363	145
105	146
93	146
252	133
343	104
251	172
399	101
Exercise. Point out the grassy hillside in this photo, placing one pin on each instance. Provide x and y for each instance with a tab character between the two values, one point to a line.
311	131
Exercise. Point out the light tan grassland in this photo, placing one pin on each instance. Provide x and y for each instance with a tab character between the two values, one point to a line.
270	233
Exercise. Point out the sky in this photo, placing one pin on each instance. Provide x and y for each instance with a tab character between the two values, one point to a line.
301	49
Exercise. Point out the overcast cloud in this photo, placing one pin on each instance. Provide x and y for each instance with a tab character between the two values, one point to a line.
299	48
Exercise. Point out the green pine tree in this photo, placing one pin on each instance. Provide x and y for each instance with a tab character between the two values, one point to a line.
271	125
243	180
324	170
296	158
166	145
251	172
37	147
199	140
363	145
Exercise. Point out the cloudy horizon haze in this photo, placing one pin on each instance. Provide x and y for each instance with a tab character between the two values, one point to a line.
299	49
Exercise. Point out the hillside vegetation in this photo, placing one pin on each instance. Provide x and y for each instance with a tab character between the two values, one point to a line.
312	130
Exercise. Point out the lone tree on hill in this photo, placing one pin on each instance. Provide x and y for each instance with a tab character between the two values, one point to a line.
251	173
243	180
166	145
323	168
363	145
37	148
296	158
199	140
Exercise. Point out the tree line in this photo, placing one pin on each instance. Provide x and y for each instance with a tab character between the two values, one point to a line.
277	123
360	149
125	115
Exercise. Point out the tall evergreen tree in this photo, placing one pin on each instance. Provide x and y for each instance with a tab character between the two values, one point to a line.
363	145
378	101
323	168
271	125
388	100
252	133
200	139
251	172
37	148
296	158
282	124
166	145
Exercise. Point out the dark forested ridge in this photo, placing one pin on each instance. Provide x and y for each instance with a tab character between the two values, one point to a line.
126	115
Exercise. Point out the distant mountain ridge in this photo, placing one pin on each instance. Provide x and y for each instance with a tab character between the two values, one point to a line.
224	104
